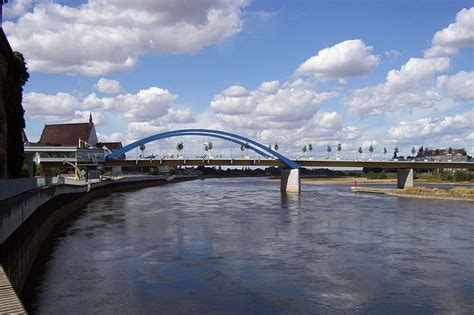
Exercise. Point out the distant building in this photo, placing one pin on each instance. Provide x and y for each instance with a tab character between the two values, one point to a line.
455	155
110	147
74	143
69	134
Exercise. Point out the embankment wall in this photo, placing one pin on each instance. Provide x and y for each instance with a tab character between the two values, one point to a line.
37	214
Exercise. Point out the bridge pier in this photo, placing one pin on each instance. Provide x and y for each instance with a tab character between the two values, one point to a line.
405	178
290	180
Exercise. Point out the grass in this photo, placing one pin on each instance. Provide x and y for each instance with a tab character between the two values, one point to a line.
457	191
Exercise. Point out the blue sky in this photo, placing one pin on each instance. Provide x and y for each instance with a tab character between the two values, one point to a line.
385	73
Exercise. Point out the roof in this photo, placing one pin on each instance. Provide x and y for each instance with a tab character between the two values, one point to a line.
66	134
112	146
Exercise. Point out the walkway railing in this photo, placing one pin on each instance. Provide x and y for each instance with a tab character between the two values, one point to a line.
13	187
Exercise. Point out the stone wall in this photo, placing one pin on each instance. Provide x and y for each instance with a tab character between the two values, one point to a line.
5	55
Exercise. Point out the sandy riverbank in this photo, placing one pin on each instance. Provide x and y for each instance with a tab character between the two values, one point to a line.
346	181
456	194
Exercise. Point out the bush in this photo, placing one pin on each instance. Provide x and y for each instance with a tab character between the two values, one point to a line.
446	176
372	175
459	176
463	176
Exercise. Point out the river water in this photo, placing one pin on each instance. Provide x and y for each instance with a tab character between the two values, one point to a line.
240	246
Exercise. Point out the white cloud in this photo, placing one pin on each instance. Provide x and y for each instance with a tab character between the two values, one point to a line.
457	35
152	105
146	105
83	116
104	36
328	120
113	137
178	116
108	86
16	8
61	106
429	128
392	53
416	71
415	85
346	59
411	87
271	104
459	86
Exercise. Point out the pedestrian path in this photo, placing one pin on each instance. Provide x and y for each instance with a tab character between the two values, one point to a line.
9	301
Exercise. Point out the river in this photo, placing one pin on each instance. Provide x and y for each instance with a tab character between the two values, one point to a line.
240	246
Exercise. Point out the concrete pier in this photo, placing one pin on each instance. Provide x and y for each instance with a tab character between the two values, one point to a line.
405	178
290	180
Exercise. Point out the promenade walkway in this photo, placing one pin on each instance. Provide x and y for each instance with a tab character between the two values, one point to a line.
9	301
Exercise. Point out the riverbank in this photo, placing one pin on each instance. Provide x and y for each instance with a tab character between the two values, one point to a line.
345	181
366	181
455	194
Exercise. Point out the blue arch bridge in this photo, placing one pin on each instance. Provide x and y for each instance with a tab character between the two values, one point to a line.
290	178
290	175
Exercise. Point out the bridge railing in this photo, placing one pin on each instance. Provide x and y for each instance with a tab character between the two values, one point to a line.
13	187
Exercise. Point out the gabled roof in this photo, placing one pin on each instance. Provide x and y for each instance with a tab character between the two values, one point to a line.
112	146
66	134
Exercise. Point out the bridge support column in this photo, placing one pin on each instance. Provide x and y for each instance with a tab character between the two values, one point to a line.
290	180
405	178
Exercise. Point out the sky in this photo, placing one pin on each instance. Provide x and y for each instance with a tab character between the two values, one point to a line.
359	73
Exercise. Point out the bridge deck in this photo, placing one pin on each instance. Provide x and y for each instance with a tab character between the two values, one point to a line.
305	163
9	301
273	162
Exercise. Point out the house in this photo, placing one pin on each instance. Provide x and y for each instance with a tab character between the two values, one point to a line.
73	144
458	155
69	135
110	147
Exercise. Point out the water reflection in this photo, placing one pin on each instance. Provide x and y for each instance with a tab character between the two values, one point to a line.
238	245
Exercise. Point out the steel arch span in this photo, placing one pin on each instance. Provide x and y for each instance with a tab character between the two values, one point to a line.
241	140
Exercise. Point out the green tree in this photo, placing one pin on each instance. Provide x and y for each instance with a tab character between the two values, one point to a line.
304	149
360	152
371	150
339	149
179	147
310	148
17	78
276	147
142	148
329	149
210	145
395	152
384	152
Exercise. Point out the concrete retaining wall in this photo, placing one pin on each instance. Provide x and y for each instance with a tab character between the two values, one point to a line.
46	208
13	187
